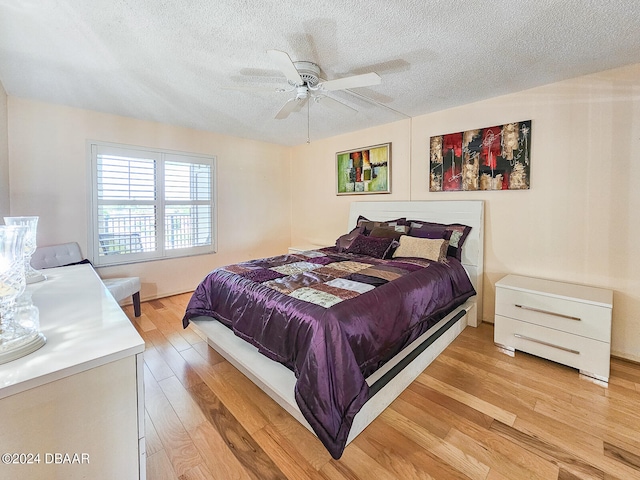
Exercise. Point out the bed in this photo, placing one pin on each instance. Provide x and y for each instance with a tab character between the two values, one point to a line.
346	331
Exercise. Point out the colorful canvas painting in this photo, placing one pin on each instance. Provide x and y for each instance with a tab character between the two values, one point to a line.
364	171
493	158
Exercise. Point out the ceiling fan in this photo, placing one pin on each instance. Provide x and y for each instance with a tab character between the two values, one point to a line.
304	79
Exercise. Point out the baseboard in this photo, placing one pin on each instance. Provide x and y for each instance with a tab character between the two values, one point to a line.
150	298
626	357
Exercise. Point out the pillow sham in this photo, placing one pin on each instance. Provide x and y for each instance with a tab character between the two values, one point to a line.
371	224
434	249
390	231
455	233
344	241
377	247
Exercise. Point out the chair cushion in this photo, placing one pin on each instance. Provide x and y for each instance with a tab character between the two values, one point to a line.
122	288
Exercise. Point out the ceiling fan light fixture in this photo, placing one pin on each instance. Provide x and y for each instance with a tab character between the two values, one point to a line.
302	92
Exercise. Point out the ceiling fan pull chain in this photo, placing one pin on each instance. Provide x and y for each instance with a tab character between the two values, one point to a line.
308	123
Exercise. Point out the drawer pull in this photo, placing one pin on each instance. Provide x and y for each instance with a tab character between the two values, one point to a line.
517	335
548	312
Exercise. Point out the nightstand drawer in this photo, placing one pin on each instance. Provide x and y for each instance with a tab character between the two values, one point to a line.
588	355
571	316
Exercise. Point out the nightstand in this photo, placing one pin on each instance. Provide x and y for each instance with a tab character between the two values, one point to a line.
563	322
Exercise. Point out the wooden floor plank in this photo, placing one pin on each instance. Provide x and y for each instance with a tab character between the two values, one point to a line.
152	441
176	441
628	458
495	459
159	467
423	393
399	453
511	374
592	421
286	454
174	360
401	456
493	388
472	401
482	438
446	451
199	472
252	457
355	463
187	410
156	364
217	457
207	353
219	379
563	458
284	429
418	414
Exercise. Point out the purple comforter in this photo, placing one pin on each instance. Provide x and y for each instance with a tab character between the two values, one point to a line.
333	319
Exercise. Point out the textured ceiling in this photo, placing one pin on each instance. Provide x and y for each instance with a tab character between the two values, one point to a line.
170	61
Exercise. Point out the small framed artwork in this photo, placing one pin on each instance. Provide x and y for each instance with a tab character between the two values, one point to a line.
491	158
365	170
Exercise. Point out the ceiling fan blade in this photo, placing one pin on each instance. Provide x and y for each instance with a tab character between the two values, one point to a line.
292	105
284	63
364	80
252	88
335	104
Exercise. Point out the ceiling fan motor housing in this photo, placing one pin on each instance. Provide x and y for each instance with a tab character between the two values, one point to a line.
309	72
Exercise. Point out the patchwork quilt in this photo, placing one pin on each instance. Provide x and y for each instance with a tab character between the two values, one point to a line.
332	318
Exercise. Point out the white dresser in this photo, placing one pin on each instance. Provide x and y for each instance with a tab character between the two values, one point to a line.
75	408
563	322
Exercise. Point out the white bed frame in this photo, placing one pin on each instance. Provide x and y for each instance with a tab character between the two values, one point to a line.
278	381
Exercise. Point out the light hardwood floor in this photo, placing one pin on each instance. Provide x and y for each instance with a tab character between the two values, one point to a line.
476	413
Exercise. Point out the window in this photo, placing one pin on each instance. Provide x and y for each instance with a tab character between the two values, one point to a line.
149	204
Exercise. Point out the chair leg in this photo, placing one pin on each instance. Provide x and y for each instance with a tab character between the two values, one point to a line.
136	304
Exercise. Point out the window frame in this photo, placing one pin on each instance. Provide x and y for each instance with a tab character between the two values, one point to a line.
160	156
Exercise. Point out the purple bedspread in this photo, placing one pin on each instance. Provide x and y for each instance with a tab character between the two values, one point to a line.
333	319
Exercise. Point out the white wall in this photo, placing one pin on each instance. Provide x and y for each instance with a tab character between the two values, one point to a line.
49	177
577	223
319	216
4	155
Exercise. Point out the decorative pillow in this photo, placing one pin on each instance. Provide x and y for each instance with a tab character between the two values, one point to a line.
377	247
434	249
455	233
343	242
371	224
423	230
390	232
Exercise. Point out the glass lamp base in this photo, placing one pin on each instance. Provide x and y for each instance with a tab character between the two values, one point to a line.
32	275
35	278
21	347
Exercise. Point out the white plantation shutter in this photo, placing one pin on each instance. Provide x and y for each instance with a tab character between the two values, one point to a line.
149	205
187	203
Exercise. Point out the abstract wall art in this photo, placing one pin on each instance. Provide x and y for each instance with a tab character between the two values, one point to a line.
366	170
492	158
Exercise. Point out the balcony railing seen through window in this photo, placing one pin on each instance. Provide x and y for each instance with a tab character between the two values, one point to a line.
136	233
